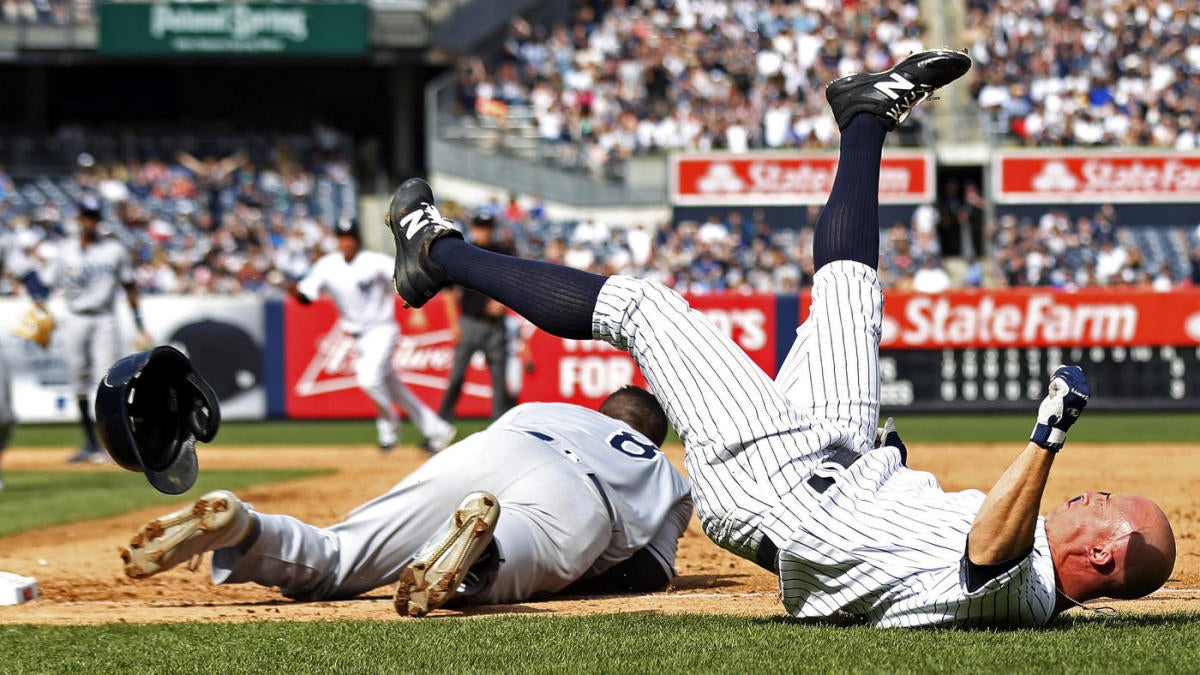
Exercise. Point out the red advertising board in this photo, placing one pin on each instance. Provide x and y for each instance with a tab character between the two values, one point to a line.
905	177
319	359
1038	318
584	372
319	363
1065	176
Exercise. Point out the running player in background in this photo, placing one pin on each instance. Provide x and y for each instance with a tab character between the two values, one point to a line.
357	282
555	494
788	473
89	269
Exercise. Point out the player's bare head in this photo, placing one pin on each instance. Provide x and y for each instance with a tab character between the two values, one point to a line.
1122	546
639	409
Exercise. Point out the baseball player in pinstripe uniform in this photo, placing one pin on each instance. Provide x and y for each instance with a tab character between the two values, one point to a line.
88	269
555	494
357	281
788	473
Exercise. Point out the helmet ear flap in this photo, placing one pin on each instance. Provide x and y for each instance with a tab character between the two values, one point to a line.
204	415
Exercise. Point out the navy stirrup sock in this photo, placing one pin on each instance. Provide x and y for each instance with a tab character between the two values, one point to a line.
557	299
848	228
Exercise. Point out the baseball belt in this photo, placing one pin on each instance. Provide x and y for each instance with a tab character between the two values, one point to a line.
767	555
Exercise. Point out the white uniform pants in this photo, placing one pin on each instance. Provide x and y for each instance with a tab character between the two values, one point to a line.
377	377
553	525
750	440
89	348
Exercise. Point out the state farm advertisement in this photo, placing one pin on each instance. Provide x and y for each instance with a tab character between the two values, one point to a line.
319	379
1032	318
584	372
1097	176
905	177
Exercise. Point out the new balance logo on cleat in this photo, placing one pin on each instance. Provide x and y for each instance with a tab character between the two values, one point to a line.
426	215
896	84
892	94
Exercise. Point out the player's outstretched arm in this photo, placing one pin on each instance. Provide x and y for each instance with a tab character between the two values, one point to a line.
1005	525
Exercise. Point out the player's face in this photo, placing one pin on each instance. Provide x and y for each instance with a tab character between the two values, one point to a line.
1090	518
348	246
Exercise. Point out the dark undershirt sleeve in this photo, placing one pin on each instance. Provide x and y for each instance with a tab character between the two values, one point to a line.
978	575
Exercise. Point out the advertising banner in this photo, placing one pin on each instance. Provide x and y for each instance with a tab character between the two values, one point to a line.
146	28
319	362
1081	176
1039	318
223	336
906	177
585	372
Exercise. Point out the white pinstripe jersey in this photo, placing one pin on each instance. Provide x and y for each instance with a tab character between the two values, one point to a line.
361	289
884	542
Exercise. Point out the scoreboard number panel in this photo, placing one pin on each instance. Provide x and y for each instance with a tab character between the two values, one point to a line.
1144	377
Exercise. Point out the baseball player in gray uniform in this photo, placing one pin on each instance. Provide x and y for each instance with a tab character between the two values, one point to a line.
788	473
7	418
555	494
357	282
88	269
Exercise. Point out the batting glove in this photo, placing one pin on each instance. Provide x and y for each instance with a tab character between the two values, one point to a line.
1067	397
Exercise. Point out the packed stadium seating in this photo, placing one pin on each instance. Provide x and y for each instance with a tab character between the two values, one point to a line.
214	224
636	78
1079	73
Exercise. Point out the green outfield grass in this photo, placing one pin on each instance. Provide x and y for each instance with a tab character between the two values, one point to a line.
608	643
36	499
1097	427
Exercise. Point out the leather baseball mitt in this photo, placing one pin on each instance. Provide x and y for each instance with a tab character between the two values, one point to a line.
36	325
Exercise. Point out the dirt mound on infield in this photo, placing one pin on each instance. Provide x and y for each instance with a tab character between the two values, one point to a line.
80	579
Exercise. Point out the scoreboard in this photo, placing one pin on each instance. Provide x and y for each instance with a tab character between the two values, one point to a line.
1141	377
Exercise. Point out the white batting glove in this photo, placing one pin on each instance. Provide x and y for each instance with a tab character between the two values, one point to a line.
1068	396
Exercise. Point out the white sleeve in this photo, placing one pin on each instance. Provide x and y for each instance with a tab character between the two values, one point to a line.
665	542
310	286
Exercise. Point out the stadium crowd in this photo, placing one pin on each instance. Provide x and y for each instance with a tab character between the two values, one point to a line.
628	77
230	225
194	225
1084	73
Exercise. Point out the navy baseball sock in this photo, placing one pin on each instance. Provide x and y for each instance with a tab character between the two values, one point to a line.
557	299
848	228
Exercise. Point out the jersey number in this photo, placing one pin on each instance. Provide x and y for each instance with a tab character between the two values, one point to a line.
629	445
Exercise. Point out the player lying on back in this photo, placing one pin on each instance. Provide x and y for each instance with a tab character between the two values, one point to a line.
786	472
550	494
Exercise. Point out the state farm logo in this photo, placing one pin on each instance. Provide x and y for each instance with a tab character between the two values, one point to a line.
930	321
1055	177
1103	175
417	357
720	178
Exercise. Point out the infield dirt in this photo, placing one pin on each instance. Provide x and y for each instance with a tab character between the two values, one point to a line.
79	574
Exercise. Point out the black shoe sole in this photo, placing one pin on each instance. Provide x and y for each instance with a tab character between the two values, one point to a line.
417	278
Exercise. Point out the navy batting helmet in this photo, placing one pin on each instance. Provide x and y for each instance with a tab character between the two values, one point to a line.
89	207
348	226
151	408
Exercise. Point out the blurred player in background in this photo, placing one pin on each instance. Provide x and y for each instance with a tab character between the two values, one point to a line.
359	283
88	269
478	324
555	494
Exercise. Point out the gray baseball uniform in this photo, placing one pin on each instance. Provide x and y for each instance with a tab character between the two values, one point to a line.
786	472
579	493
89	278
362	292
